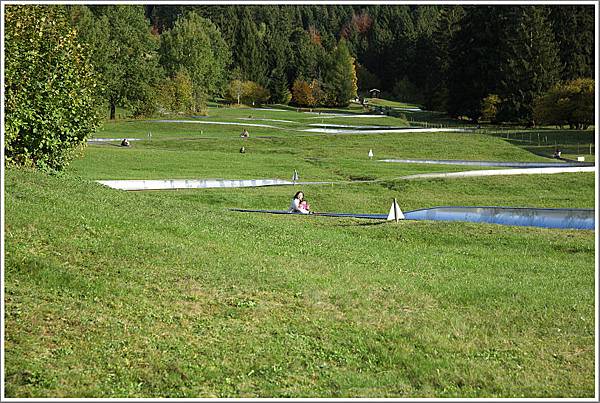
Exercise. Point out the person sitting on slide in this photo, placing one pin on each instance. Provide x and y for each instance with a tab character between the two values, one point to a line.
297	205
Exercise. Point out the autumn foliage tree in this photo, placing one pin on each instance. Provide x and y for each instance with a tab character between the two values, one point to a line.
489	107
247	92
570	103
302	93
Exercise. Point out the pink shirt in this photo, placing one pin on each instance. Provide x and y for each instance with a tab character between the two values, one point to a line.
295	207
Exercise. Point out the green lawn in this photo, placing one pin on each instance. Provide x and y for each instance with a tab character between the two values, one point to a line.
170	294
391	104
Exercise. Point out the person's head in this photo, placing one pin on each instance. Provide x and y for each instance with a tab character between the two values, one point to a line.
299	195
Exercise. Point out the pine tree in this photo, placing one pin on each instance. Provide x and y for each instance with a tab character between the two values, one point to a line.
447	26
530	64
305	56
474	66
341	78
249	53
573	27
278	50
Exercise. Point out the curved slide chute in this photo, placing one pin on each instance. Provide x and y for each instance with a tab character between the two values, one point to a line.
563	218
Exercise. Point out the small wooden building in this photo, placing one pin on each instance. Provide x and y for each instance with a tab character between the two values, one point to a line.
374	93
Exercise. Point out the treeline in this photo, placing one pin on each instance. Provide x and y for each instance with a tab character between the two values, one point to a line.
448	58
502	63
177	64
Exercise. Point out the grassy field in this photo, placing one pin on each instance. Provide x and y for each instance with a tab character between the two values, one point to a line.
170	294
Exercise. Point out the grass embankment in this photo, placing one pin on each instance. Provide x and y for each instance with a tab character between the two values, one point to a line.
148	294
112	294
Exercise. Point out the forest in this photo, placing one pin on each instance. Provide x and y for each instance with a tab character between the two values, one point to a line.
447	58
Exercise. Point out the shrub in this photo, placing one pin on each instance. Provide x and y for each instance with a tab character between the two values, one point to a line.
489	107
302	93
254	93
50	88
569	103
247	92
176	93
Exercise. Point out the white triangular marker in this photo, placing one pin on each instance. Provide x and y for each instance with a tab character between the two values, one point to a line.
395	212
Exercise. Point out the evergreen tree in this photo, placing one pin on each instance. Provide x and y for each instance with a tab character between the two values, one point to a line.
305	57
439	58
573	27
164	16
341	77
390	43
474	66
530	62
249	51
278	54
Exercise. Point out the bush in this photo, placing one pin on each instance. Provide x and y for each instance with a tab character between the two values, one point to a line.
254	93
489	107
176	93
570	103
50	88
247	92
302	93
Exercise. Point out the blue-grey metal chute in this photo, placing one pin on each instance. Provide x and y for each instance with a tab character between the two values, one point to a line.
351	215
563	218
531	217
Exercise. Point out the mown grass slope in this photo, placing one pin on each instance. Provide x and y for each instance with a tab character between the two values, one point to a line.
170	294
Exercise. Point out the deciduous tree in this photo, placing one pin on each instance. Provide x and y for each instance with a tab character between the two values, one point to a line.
196	44
570	103
51	92
125	55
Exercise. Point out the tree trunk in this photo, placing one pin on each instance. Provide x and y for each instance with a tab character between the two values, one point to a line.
113	109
